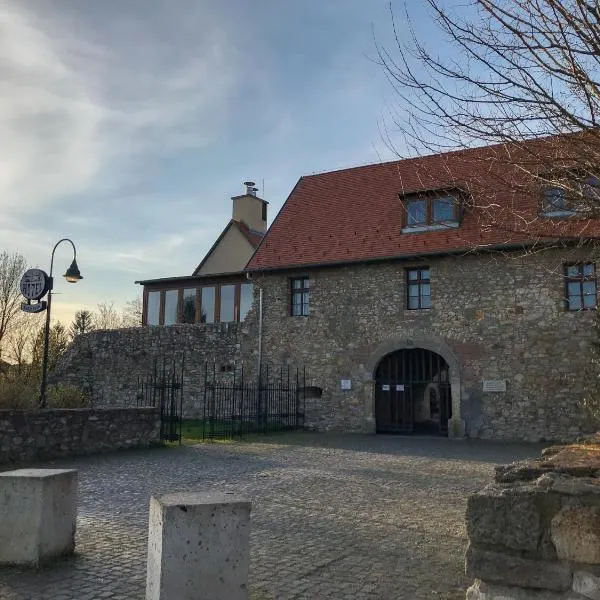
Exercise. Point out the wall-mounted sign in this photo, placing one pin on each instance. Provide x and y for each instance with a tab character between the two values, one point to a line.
346	384
385	387
494	385
34	284
399	387
36	307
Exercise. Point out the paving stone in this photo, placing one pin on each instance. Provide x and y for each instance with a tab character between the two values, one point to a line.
333	517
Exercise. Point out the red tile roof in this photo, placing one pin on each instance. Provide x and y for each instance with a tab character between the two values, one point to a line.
254	237
357	214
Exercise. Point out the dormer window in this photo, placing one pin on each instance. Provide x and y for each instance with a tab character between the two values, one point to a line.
555	201
431	212
576	196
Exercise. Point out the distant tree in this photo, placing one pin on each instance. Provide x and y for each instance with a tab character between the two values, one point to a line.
21	340
82	323
58	341
12	267
132	313
107	316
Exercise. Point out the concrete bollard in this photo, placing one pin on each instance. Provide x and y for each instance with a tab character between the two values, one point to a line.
198	547
38	515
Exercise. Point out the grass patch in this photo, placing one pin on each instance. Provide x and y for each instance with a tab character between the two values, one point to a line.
197	430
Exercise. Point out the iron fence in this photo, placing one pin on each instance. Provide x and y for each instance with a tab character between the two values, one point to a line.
234	405
164	388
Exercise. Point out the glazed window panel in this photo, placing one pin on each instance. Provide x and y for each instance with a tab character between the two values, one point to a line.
153	308
416	211
207	305
246	298
300	296
227	306
188	309
418	289
443	209
581	286
171	302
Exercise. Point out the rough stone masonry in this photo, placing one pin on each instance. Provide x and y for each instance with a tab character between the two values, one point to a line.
535	532
497	317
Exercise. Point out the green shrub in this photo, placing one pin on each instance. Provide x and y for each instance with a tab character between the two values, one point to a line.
16	392
66	396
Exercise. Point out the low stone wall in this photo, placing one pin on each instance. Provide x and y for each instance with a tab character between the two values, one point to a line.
38	435
535	532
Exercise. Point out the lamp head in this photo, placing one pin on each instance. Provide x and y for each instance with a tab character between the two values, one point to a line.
73	275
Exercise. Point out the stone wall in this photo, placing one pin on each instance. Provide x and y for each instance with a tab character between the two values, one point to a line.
109	364
534	534
27	436
493	317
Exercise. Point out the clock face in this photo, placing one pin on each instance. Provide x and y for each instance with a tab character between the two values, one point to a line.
34	284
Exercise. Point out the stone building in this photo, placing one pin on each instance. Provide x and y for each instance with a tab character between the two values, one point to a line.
448	294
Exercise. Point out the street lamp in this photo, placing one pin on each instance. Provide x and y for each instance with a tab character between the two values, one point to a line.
72	276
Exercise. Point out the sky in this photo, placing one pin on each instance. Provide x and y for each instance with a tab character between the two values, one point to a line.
127	125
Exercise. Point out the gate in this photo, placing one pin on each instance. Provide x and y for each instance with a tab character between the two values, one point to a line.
412	393
234	406
164	388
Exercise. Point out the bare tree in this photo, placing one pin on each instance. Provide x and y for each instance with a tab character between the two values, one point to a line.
132	313
107	316
12	267
514	70
21	340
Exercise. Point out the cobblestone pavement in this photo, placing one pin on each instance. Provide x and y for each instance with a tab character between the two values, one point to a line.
340	517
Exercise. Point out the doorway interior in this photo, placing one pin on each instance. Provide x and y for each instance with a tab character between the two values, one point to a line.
412	393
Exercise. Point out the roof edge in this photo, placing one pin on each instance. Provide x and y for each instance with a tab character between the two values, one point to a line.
466	249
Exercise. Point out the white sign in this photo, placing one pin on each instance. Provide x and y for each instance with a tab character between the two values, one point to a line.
399	387
385	387
494	385
346	384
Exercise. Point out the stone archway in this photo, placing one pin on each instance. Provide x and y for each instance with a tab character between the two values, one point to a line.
456	426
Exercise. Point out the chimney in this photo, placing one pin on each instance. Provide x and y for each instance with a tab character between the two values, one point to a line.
250	209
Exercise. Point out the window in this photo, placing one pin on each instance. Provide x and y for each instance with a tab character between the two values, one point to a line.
227	313
207	311
571	194
581	286
171	301
264	211
153	308
300	296
246	297
418	288
433	212
188	308
555	201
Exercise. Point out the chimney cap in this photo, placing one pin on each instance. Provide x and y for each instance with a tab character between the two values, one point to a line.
250	189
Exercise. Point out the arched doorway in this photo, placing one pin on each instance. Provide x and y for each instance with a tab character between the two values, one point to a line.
412	392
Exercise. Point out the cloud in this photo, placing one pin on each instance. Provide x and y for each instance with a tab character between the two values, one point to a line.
49	125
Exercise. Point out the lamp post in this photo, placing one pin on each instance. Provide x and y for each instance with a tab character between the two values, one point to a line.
72	276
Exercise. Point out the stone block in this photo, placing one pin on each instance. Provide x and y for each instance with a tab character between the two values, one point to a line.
587	584
38	515
198	547
481	590
497	516
506	569
576	534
